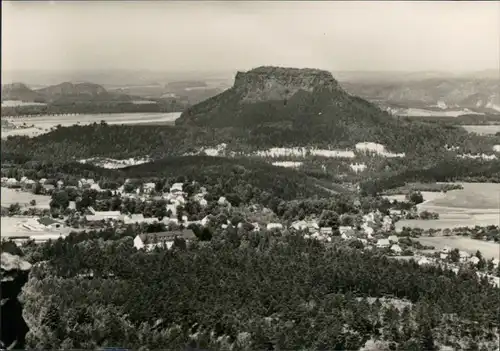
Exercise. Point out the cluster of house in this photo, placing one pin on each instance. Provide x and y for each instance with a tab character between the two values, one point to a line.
464	258
27	184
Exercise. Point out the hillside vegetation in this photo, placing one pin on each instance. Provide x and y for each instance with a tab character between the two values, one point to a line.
251	291
308	106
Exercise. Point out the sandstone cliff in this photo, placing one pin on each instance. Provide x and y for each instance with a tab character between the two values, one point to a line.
14	271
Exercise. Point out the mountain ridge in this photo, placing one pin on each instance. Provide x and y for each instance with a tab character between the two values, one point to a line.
53	93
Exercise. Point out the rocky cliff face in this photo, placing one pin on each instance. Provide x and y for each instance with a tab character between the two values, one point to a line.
14	272
277	83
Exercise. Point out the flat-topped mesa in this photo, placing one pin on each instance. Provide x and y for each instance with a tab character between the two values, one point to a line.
279	83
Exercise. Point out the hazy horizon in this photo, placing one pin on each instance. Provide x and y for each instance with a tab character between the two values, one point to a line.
228	36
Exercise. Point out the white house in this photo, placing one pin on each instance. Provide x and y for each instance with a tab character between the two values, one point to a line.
383	243
464	256
271	226
95	187
41	238
151	240
474	260
223	201
11	181
368	230
102	215
423	260
205	221
299	225
446	250
148	187
393	238
176	188
396	249
203	202
326	230
139	218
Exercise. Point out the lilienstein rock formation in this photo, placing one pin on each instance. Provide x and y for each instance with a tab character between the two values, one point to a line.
303	107
15	273
266	95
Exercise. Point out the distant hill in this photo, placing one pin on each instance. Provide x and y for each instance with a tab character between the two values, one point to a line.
79	91
476	94
69	89
61	93
20	91
190	84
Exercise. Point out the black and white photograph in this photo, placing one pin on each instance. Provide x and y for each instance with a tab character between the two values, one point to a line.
250	175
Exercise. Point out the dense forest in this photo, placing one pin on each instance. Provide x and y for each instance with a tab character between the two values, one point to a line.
247	291
244	179
68	144
472	119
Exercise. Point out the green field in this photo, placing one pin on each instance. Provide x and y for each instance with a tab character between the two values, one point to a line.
473	196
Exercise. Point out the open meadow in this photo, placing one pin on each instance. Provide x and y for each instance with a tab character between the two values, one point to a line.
473	196
475	204
43	124
488	249
482	129
23	198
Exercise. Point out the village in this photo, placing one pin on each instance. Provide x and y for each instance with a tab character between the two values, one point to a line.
146	205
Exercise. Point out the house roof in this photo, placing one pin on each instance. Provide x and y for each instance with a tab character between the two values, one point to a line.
187	234
107	213
48	186
137	217
383	242
47	221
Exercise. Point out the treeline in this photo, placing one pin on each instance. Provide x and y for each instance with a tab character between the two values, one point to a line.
429	162
256	291
449	170
467	119
93	107
117	141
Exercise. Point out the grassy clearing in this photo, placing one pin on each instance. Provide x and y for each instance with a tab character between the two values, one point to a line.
23	198
482	129
472	196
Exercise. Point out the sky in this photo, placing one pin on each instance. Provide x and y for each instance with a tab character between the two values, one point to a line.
190	36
